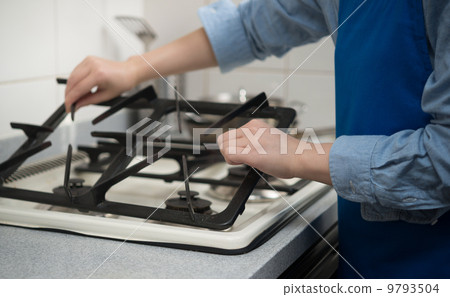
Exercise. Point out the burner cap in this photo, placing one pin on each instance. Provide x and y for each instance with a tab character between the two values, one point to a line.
200	205
183	194
76	183
76	188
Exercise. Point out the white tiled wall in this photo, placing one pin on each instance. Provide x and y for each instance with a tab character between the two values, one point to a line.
27	34
172	19
43	39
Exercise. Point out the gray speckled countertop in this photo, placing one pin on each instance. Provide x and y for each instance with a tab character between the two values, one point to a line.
26	253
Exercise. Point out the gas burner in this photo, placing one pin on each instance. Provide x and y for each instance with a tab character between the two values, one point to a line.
122	194
188	210
76	188
259	194
181	203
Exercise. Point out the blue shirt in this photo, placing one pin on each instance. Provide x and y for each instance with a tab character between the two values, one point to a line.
405	176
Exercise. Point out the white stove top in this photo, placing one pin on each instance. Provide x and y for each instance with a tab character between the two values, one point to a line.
257	221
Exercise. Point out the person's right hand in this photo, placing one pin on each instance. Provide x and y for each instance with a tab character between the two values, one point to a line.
111	79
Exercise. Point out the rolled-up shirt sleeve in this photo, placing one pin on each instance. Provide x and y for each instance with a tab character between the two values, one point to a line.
409	170
257	29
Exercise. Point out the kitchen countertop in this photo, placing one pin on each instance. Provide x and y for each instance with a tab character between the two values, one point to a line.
27	253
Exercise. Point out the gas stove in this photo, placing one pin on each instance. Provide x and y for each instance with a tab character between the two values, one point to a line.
139	185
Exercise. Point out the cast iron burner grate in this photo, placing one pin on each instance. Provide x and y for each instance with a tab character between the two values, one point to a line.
192	210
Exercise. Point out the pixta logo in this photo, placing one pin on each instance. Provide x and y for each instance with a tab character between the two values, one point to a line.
149	131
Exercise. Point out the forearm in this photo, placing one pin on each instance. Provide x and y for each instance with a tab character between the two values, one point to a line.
313	163
188	53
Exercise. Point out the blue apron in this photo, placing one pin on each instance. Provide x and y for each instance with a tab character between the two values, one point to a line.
382	64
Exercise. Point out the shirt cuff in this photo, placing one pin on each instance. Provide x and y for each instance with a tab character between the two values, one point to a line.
350	167
226	33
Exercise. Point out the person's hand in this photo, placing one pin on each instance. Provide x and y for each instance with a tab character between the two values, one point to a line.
109	78
261	146
274	152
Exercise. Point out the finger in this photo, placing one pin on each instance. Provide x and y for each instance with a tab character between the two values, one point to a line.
252	123
228	138
237	158
233	144
230	158
231	134
224	137
80	71
243	142
256	123
82	89
219	140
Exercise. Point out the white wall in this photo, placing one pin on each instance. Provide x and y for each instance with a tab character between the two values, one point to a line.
43	39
